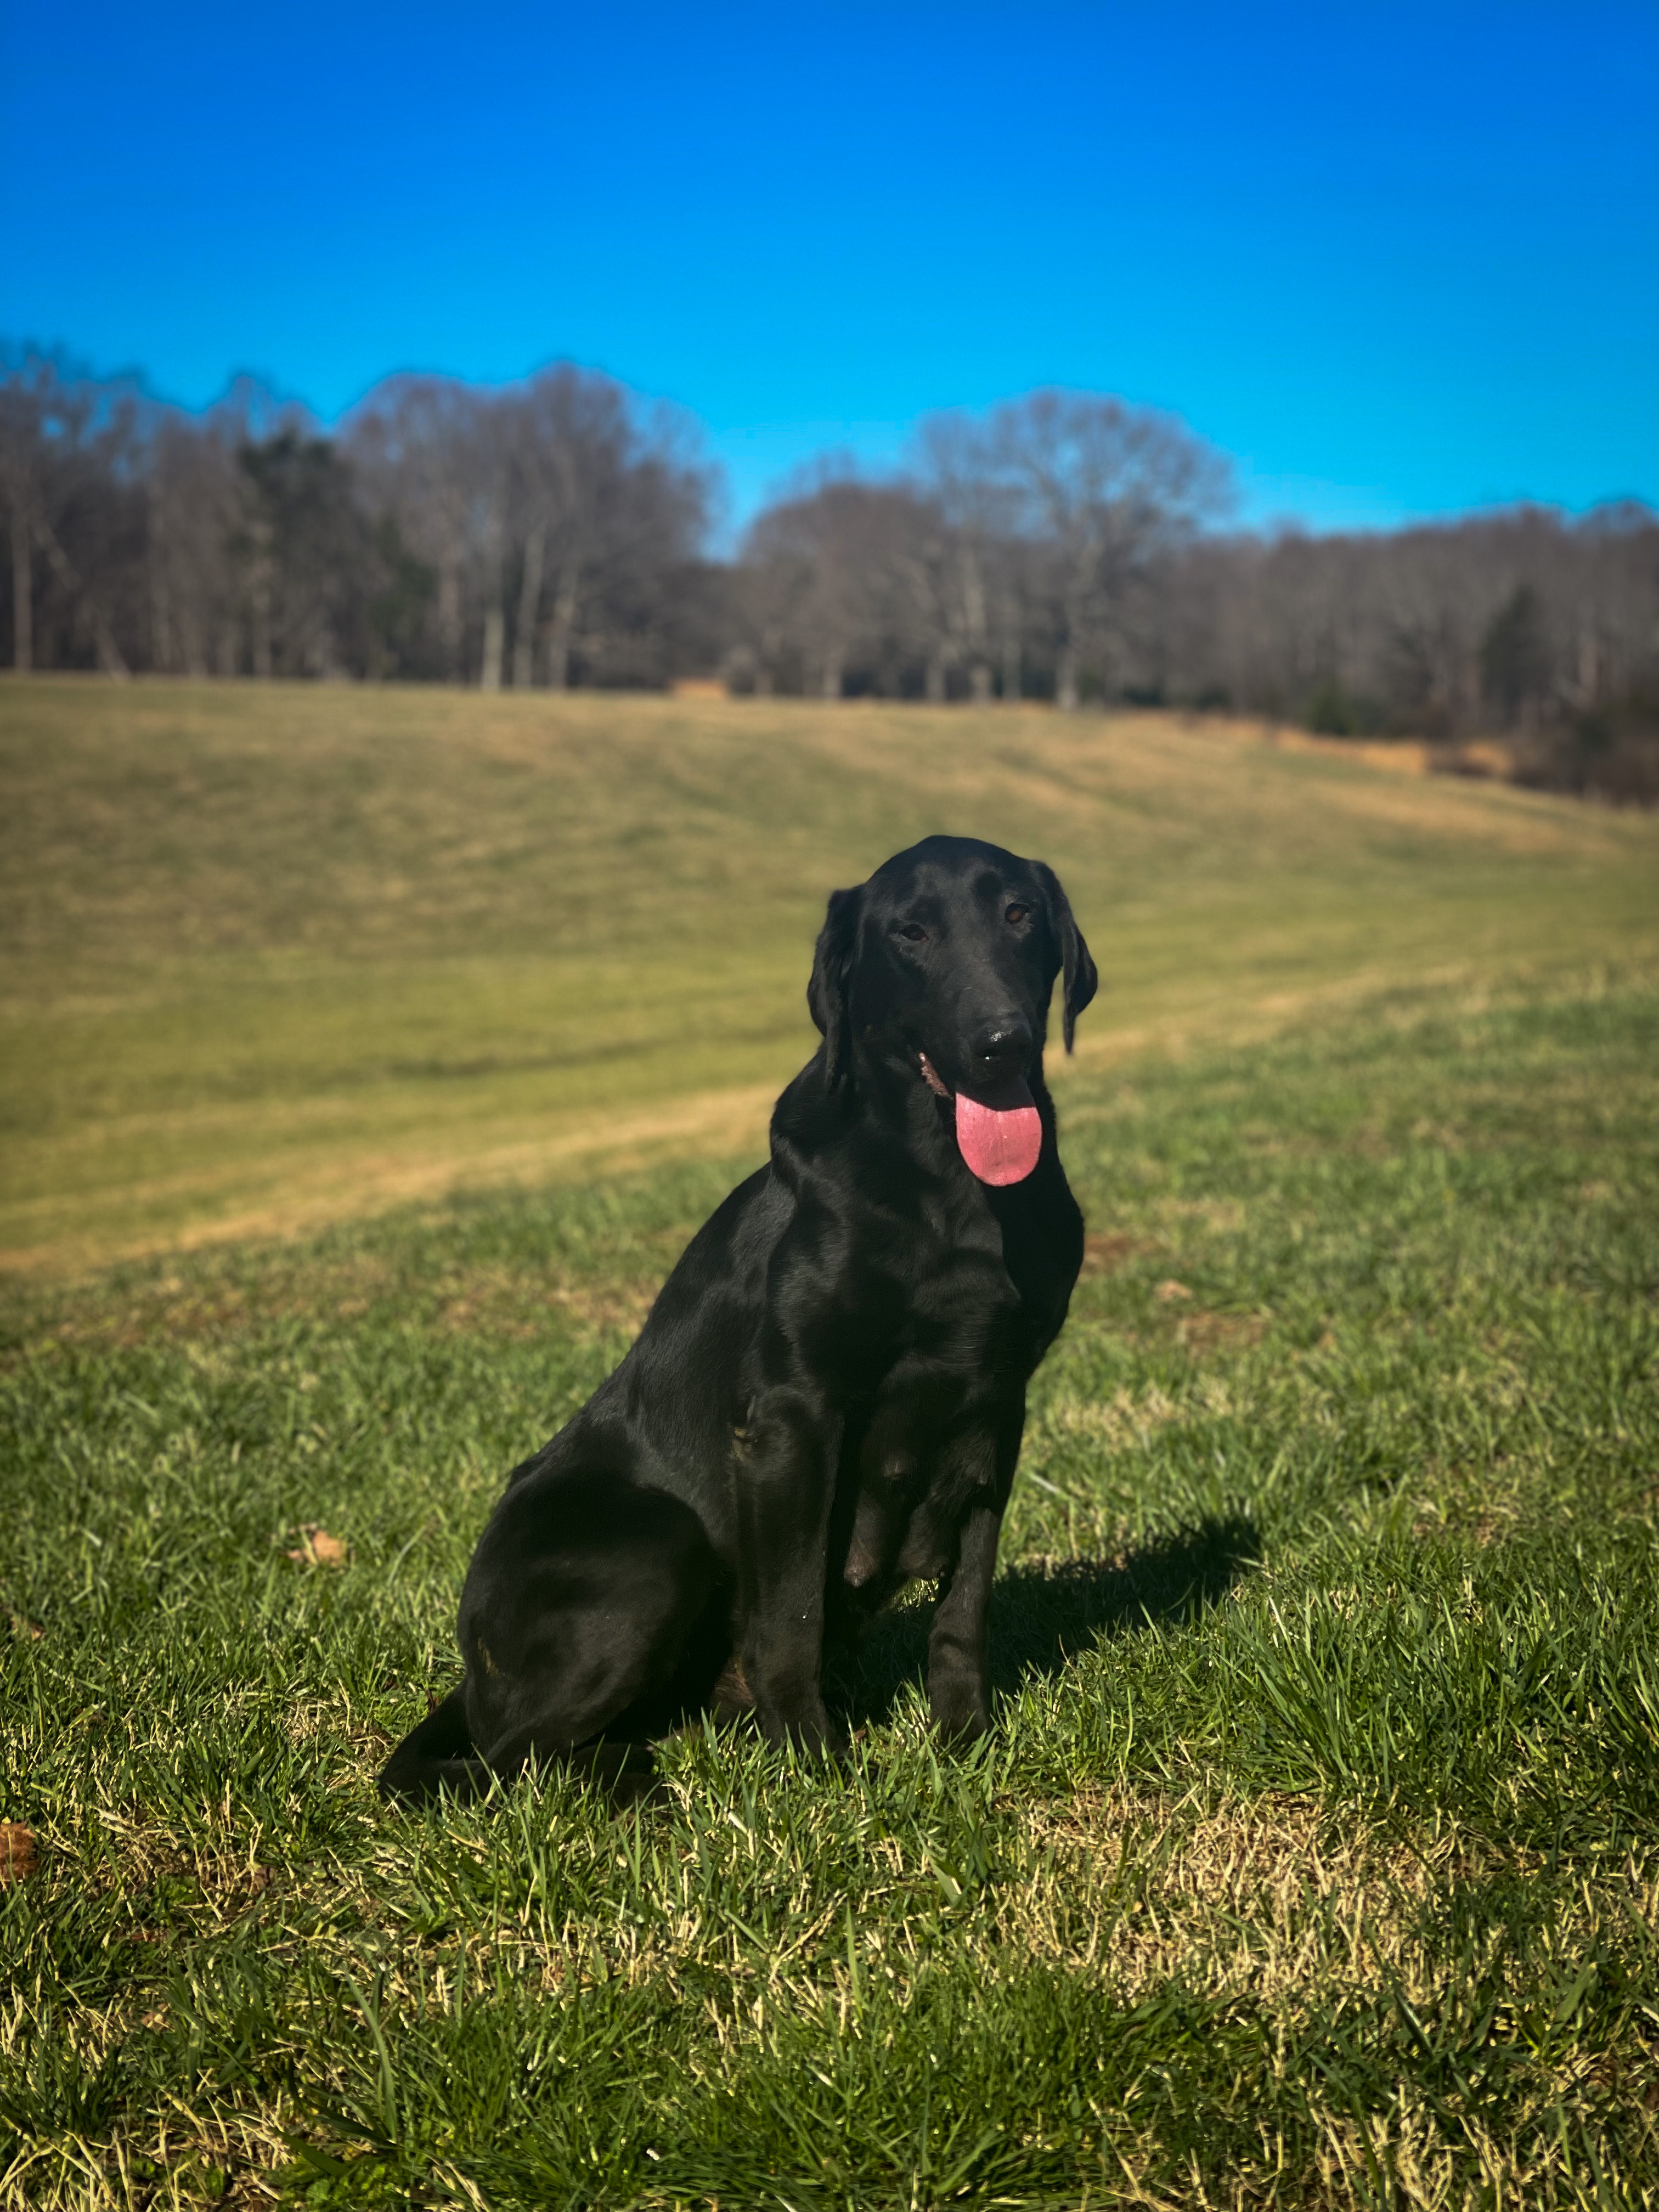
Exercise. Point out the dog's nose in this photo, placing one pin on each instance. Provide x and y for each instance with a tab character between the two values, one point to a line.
1002	1048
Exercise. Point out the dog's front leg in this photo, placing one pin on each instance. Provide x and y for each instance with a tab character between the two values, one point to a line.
958	1673
958	1660
786	1476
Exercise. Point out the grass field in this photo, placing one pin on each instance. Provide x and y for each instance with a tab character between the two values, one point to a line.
1313	1861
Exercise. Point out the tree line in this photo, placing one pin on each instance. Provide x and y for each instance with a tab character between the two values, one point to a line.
549	533
1064	546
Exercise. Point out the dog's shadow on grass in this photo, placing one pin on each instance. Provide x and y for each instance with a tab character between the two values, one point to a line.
1043	1617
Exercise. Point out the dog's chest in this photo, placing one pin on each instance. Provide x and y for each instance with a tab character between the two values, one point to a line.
960	1304
929	1444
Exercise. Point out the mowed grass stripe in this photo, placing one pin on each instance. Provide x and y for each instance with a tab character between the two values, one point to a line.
277	951
1312	1862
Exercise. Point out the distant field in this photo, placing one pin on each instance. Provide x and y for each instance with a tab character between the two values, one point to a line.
1312	1863
277	954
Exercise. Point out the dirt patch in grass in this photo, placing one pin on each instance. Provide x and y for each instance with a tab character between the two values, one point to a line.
1200	1333
1106	1254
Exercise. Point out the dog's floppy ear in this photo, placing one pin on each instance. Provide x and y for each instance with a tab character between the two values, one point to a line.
1077	968
826	994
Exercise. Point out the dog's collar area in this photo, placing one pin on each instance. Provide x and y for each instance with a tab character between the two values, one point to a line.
929	1077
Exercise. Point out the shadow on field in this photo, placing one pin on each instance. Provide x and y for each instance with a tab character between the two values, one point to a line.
1042	1617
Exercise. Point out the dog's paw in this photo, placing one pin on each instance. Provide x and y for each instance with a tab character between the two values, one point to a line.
831	1743
961	1719
817	1737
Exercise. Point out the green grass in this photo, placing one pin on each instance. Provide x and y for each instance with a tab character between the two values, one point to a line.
1312	1861
278	953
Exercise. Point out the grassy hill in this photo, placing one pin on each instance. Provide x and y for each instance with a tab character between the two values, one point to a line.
274	954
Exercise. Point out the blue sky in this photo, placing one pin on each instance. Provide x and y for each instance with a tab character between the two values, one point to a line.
1397	260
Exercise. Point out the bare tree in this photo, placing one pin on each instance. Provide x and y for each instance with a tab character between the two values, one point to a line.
194	498
20	438
827	551
70	467
978	599
414	442
557	516
1100	487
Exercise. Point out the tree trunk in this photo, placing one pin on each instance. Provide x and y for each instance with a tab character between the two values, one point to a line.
975	625
1590	659
161	619
833	667
1011	668
111	659
1066	681
449	617
936	679
22	587
495	636
161	597
192	653
260	582
562	629
1110	669
529	602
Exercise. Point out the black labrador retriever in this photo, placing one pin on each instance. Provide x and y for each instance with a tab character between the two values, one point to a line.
827	1399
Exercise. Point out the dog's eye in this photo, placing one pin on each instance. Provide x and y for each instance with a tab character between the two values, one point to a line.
914	931
1017	913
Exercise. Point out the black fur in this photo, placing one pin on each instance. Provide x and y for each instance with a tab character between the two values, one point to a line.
828	1397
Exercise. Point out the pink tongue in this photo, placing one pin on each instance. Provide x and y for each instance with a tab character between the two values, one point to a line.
1001	1144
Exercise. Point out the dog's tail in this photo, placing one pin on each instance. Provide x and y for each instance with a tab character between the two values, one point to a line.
439	1754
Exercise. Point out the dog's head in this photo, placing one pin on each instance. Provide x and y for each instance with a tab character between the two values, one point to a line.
947	959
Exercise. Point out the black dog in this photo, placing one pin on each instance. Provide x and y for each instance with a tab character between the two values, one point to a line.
827	1399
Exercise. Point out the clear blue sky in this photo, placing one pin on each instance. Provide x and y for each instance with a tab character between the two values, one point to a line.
1397	259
